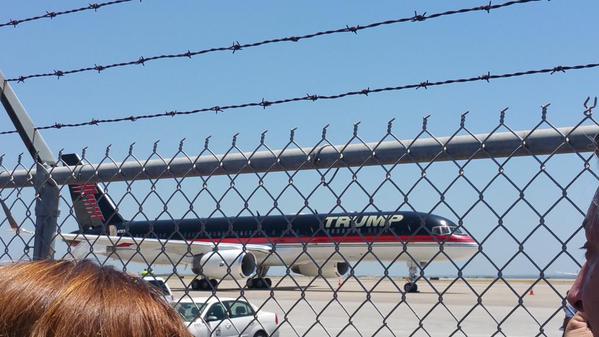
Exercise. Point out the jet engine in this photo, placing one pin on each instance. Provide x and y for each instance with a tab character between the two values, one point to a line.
329	270
224	264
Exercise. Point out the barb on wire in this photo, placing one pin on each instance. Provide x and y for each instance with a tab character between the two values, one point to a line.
589	109
52	15
312	98
236	46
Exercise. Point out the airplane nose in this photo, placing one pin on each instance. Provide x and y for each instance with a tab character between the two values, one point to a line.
465	247
472	241
463	238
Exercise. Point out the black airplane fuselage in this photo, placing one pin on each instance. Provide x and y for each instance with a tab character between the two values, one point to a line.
282	229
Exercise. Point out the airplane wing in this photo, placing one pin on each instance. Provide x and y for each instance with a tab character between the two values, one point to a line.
11	220
171	248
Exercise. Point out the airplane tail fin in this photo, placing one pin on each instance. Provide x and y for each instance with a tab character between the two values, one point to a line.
93	208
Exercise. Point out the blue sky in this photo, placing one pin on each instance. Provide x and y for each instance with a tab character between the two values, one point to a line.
522	37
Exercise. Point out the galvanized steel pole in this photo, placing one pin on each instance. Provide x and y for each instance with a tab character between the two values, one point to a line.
47	192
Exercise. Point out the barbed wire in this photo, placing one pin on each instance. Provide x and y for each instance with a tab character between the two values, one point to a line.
51	15
314	97
236	46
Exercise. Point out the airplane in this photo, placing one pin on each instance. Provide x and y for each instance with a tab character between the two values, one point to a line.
246	247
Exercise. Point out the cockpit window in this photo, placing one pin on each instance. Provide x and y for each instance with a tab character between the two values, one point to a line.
441	230
446	230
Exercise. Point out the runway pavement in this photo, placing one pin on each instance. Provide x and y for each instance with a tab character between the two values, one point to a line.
369	306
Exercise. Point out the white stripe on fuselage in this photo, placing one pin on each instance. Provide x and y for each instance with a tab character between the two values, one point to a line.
285	254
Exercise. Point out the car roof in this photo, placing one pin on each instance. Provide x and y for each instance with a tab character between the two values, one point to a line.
212	299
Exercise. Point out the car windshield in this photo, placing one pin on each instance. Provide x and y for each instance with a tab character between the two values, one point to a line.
189	311
160	285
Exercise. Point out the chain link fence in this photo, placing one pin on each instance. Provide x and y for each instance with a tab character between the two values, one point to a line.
484	226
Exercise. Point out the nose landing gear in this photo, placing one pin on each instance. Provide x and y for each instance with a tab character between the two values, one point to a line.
411	286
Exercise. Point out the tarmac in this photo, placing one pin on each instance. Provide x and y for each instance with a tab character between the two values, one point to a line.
370	306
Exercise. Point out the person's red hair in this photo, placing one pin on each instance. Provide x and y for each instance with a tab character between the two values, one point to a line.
81	299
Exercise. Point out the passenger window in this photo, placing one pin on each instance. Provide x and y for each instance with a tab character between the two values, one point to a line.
239	309
216	313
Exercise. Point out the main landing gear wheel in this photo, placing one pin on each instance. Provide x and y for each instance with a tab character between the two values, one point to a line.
259	283
204	284
410	287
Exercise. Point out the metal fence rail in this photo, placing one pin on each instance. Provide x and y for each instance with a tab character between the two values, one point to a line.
334	226
464	147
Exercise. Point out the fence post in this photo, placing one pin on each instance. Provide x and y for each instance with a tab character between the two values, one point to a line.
46	213
47	192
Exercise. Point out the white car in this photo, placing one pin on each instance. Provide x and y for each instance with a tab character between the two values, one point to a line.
159	283
223	317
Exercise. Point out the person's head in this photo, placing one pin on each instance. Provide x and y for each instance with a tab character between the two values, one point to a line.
584	294
65	298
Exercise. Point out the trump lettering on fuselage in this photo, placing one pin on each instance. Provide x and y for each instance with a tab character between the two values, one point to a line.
361	221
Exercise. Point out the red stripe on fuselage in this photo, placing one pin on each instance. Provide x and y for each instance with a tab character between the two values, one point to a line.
345	239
